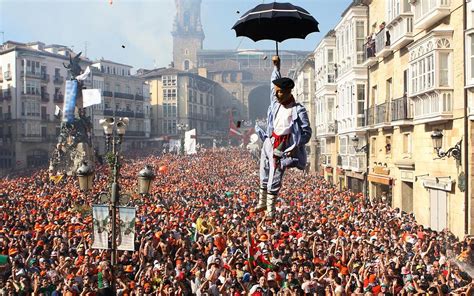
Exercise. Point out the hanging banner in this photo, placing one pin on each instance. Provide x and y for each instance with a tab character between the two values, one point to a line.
101	218
190	142
91	97
175	145
126	240
70	101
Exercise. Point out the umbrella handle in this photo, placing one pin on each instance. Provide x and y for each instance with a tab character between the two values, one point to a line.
276	42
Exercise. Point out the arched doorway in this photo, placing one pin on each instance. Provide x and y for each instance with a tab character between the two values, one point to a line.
259	100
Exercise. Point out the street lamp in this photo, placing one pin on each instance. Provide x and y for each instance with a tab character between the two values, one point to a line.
355	144
85	175
437	138
145	177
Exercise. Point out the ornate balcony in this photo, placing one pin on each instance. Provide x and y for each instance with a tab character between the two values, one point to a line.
429	12
139	115
382	44
369	58
58	79
382	113
44	97
138	97
434	106
123	95
58	98
107	93
400	111
401	31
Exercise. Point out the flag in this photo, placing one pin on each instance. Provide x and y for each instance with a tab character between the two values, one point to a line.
255	256
56	179
84	75
127	229
70	101
91	97
100	217
57	112
233	130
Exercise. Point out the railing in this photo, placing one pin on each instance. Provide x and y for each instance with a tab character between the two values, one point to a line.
135	133
369	50
370	115
5	116
58	79
45	77
399	109
382	40
7	75
124	113
139	115
45	97
123	95
58	98
108	112
107	93
400	29
7	95
138	97
382	113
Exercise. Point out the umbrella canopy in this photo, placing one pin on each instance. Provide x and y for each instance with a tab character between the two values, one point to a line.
276	21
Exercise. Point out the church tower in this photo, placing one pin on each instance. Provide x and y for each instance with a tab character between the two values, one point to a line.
187	34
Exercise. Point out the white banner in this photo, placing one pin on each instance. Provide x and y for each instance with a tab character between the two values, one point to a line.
91	97
100	227
190	142
126	240
174	145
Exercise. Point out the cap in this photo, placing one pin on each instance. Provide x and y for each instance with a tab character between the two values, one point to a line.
284	83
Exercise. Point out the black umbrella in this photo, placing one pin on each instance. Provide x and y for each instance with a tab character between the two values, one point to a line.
276	21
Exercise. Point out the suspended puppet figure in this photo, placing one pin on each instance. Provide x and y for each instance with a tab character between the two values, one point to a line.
284	140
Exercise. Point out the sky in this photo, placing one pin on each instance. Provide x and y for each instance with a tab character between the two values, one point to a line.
143	26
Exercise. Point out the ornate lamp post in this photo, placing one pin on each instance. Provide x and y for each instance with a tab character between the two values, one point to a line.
85	175
182	128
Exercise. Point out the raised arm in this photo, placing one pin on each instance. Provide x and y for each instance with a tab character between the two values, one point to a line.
275	75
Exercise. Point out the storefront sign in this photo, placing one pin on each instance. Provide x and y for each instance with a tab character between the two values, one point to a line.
355	175
380	179
440	184
379	170
407	176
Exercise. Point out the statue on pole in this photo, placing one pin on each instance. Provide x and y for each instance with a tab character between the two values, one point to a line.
75	139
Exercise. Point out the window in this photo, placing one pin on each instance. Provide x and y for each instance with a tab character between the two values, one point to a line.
373	145
186	65
169	80
374	96
389	90
343	145
471	56
444	69
388	145
360	40
360	98
169	94
407	143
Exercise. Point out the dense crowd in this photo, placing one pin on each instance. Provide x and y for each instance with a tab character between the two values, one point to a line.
195	229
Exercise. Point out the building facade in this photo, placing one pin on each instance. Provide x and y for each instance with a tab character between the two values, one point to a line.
32	79
123	95
351	81
303	93
325	105
181	98
414	91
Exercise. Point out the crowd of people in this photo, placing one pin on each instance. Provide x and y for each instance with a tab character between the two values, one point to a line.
195	232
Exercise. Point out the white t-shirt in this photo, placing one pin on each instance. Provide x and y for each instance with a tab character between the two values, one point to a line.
283	120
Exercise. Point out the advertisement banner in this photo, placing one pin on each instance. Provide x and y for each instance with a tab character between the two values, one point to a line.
100	227
126	240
